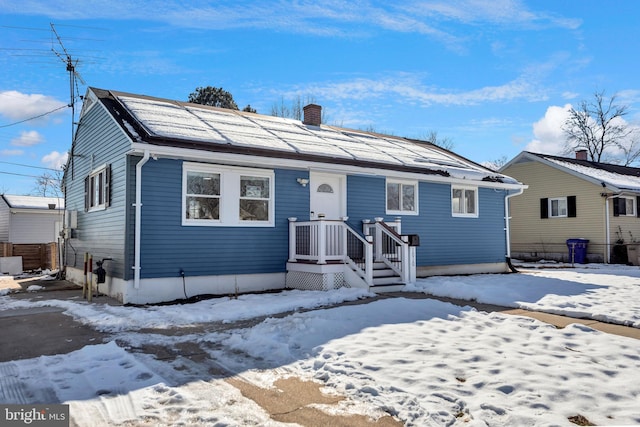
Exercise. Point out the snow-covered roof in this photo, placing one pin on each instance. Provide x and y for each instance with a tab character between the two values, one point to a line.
167	122
614	177
33	202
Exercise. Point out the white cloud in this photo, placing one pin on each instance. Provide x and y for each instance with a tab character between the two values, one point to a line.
27	139
410	87
9	153
549	137
55	160
570	95
20	106
329	18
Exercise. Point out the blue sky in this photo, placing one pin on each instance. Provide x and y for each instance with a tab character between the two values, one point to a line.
495	77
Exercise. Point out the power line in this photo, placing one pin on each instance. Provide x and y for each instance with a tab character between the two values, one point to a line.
29	166
36	117
29	176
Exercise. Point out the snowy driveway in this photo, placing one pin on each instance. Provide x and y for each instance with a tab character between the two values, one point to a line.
424	361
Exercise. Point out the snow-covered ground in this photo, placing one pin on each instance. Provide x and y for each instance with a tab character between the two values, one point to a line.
426	362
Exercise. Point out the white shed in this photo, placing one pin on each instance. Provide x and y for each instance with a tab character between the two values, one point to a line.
30	219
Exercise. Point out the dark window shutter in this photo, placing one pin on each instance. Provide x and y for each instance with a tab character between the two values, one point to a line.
616	206
87	202
544	208
107	186
571	207
637	206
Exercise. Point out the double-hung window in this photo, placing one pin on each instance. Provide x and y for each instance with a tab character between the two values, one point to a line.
254	198
202	196
558	207
402	197
224	196
97	189
624	206
464	201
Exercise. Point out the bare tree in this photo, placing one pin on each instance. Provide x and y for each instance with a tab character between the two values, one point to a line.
496	164
442	142
49	184
598	126
295	108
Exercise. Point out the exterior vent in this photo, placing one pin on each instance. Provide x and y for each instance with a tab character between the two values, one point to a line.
312	115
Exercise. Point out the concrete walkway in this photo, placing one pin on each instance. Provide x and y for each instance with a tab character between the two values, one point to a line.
562	321
556	320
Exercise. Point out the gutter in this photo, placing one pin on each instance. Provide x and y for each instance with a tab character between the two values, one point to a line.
138	219
507	227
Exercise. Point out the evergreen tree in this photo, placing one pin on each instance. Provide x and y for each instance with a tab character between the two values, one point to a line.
214	96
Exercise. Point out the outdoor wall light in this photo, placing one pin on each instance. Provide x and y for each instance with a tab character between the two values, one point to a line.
303	181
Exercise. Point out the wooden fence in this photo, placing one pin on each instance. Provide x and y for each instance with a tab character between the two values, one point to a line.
34	256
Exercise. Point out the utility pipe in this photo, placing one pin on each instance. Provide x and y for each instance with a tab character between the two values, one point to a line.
607	231
138	219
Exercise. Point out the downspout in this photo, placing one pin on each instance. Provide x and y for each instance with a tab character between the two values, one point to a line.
138	219
507	227
607	231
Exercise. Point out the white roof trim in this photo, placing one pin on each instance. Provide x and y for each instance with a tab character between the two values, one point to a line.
558	164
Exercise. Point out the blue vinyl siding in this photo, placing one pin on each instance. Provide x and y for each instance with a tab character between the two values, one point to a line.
168	246
444	239
98	141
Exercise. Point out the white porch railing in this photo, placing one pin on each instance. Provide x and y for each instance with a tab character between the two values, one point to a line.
392	248
325	241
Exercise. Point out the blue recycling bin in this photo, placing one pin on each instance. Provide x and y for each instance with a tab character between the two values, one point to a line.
577	250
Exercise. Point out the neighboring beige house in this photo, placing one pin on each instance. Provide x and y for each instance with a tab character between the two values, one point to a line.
573	198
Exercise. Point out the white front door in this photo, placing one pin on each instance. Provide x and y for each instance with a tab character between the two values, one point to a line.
328	196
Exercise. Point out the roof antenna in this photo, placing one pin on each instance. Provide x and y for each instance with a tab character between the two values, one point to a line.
74	76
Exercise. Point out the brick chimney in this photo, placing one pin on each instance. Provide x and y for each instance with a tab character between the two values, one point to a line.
312	115
581	155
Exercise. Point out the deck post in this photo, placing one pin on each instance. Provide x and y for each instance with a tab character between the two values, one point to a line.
322	242
292	239
378	240
406	261
368	260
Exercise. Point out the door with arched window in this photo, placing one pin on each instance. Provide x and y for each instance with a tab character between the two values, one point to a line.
328	196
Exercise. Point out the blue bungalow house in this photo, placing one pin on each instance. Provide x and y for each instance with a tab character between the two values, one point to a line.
182	199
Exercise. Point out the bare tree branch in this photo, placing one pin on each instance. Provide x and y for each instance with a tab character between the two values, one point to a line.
598	126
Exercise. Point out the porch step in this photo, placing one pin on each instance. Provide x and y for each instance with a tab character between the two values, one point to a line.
383	275
386	280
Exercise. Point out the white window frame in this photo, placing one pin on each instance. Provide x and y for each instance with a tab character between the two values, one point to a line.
463	213
229	207
633	206
98	175
558	200
402	183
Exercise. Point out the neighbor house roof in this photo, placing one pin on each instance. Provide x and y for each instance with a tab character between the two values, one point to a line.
613	177
184	125
33	202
